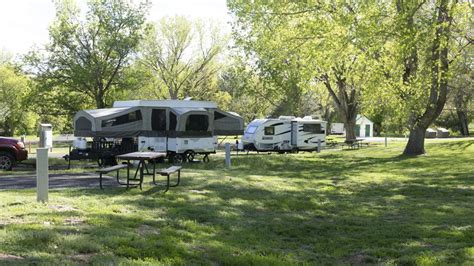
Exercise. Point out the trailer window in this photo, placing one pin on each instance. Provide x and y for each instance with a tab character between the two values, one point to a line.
83	124
269	130
218	116
251	129
172	121
158	119
197	123
123	119
313	128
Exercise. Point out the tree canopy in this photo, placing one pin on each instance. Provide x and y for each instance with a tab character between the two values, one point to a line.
88	55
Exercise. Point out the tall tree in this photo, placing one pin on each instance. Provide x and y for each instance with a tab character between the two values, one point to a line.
183	55
423	48
463	87
88	56
13	90
332	41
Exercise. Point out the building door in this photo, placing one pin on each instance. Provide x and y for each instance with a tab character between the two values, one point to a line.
357	130
367	130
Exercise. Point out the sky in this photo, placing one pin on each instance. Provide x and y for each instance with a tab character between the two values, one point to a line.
24	23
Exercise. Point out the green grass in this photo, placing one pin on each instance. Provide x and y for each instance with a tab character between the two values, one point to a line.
369	206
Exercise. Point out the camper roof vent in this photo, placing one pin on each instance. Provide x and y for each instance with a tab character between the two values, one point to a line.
286	117
308	117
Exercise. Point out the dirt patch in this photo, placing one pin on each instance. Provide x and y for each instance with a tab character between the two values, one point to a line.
199	191
73	221
9	257
62	208
359	259
145	230
83	258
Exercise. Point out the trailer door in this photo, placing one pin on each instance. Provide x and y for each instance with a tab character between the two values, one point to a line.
294	133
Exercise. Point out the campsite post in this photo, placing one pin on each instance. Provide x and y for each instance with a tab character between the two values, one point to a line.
42	178
227	155
319	145
385	140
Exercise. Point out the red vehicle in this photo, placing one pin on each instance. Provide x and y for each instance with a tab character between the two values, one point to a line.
11	152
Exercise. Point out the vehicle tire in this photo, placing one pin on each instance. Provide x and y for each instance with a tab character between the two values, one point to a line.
6	161
189	155
110	161
178	158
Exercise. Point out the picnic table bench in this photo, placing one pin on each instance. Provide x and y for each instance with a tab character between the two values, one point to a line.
107	170
141	157
167	172
354	143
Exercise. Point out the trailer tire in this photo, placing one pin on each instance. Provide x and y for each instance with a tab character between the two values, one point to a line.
189	156
206	158
178	158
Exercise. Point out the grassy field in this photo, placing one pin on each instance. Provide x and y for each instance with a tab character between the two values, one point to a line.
369	206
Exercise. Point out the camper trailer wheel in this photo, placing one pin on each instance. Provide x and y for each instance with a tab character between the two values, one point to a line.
189	155
178	158
106	162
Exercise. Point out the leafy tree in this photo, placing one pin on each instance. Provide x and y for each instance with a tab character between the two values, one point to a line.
183	56
418	61
88	57
463	94
250	95
326	42
14	88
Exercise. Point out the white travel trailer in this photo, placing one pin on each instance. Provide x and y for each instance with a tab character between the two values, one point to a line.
338	129
284	134
179	128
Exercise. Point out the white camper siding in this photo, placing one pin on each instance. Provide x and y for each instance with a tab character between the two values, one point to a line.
337	128
284	134
195	144
157	144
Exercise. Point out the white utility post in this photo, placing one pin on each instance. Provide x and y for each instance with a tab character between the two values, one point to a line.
227	155
42	176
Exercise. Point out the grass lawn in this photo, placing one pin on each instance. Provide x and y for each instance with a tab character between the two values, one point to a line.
338	207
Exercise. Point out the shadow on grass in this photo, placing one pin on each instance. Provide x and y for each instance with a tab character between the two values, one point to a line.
329	209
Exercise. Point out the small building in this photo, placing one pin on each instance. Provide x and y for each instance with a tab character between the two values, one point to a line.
364	127
430	133
442	132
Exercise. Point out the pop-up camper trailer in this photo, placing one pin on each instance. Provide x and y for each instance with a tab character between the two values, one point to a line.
284	134
179	128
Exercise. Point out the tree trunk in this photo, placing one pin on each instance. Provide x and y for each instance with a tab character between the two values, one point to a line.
459	103
350	124
99	101
377	129
439	83
416	141
346	104
463	123
99	98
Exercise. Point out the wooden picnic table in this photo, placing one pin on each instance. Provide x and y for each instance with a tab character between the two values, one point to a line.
142	157
353	143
